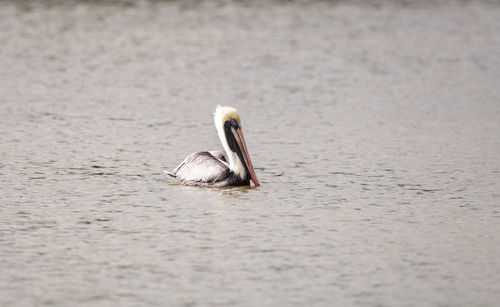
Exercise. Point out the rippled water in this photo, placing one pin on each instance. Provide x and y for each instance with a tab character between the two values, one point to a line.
374	130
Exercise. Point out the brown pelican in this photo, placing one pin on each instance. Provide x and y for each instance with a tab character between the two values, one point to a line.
218	168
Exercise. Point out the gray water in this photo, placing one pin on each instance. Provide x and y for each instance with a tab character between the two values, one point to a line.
374	130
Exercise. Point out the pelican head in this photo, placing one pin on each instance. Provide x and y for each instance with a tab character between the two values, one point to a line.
228	124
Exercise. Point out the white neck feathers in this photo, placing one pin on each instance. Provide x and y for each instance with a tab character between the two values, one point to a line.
220	116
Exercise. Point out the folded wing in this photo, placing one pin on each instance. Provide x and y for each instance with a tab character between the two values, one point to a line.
204	167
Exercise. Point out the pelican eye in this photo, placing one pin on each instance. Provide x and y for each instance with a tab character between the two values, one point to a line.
233	123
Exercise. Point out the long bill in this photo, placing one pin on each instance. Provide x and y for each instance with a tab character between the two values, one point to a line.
240	139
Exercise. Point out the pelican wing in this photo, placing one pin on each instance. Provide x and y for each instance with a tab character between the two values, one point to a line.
220	155
203	167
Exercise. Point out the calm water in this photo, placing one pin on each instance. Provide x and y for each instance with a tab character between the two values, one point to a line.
374	130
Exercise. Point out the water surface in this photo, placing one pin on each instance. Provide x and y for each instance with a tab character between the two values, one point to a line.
374	130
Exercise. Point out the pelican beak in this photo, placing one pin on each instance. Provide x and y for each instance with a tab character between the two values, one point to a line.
240	139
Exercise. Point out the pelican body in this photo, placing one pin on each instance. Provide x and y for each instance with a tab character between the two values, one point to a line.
218	168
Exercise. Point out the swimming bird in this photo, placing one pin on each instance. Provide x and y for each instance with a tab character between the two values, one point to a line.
217	168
